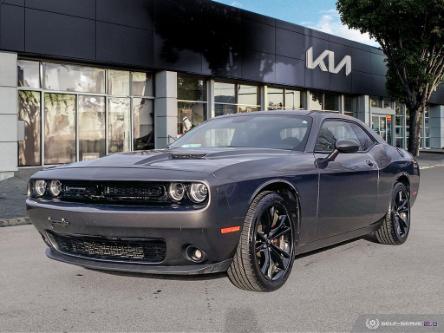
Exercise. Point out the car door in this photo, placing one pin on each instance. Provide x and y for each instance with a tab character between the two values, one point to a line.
348	184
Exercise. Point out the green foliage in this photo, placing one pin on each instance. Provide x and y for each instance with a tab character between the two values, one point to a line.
411	34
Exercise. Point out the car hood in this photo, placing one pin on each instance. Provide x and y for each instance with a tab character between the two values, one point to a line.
162	163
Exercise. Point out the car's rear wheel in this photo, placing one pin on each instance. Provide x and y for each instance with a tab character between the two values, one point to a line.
395	226
265	254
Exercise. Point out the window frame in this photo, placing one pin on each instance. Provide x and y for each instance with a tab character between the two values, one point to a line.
373	139
42	91
237	105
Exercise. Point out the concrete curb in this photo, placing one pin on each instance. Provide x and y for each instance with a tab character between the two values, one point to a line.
14	221
424	167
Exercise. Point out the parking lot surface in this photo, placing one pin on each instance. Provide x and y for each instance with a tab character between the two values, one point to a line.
326	291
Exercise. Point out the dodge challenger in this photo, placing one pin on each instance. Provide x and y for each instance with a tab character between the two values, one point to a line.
243	194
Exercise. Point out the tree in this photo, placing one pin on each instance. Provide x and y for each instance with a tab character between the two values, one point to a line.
411	34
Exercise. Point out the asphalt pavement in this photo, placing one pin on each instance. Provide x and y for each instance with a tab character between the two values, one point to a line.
326	291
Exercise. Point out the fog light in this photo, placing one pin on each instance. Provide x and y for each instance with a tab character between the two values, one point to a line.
194	254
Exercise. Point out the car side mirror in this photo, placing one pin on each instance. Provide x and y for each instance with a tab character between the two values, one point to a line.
347	146
341	146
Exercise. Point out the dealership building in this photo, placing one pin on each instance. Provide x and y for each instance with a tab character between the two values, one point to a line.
80	79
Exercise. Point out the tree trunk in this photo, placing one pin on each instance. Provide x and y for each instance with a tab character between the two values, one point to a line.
415	129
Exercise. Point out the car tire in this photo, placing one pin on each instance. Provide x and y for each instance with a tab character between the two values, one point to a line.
267	237
395	226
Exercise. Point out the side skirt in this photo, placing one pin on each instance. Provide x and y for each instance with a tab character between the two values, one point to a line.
329	241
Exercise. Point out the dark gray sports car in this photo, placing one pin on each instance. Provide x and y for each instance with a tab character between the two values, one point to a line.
243	193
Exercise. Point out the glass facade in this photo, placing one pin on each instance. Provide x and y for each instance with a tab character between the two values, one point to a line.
325	101
29	113
235	97
285	99
73	113
400	140
394	127
119	124
425	131
60	128
143	124
91	113
81	112
349	110
192	102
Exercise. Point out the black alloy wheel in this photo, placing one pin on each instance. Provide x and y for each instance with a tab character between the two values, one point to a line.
274	241
395	226
401	212
266	250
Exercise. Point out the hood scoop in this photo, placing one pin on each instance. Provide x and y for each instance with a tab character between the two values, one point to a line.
187	156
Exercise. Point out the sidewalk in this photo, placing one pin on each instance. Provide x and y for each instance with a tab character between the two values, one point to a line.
12	198
13	190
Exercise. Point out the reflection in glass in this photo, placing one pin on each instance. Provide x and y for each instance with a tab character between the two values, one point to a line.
275	98
248	95
28	74
91	127
60	128
294	99
331	102
191	88
190	115
316	101
141	84
29	113
118	83
348	105
375	102
143	122
64	77
119	125
221	109
224	92
247	108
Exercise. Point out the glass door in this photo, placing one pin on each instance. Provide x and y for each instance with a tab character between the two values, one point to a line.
382	124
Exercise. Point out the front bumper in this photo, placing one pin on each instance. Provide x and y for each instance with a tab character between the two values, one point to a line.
179	229
195	269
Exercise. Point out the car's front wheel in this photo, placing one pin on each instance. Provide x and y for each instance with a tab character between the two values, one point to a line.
265	254
395	226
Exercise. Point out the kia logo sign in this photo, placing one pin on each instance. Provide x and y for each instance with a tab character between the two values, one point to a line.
329	57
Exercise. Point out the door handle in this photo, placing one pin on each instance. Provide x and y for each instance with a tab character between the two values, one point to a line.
369	163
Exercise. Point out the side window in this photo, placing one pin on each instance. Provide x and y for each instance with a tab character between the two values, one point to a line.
364	139
333	130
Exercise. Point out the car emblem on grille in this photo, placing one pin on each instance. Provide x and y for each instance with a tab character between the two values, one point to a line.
61	222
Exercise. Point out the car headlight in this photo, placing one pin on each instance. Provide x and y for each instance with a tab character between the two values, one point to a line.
176	191
198	192
55	187
39	187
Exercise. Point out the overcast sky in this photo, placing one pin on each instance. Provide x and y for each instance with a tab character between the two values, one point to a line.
317	14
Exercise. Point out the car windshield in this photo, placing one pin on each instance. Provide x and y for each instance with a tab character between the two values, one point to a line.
255	131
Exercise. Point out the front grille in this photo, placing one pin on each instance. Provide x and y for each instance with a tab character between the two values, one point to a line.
114	192
151	251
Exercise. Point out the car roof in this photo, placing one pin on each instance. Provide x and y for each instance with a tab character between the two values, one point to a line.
313	113
317	116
